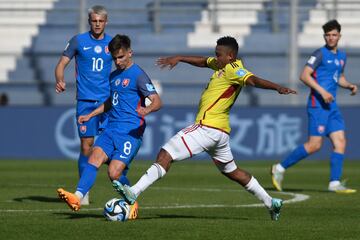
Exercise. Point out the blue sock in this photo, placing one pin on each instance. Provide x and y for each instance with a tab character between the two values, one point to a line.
124	180
295	156
336	163
87	179
82	162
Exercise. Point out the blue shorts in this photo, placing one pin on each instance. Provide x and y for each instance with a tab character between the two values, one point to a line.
324	122
92	127
118	146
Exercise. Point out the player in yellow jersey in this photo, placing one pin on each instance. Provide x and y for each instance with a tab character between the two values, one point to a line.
210	132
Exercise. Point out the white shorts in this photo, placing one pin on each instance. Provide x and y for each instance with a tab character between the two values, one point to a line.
197	138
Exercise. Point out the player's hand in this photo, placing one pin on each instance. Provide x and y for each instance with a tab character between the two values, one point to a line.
60	86
328	97
143	111
83	118
284	90
169	62
353	88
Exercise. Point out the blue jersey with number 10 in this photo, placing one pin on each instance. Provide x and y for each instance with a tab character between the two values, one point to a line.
129	88
93	66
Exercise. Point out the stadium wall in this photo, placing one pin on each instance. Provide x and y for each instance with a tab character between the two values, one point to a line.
263	133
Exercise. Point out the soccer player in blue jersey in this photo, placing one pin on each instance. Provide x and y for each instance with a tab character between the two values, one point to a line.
323	73
93	68
120	141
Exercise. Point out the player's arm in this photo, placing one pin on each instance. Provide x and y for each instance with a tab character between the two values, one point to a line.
347	85
59	74
172	61
266	84
307	79
102	108
154	106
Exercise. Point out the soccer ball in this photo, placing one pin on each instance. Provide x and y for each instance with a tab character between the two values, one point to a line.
116	210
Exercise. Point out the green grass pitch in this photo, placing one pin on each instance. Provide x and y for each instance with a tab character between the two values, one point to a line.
193	201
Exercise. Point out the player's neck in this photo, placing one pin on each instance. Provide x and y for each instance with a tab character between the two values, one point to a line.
97	36
332	49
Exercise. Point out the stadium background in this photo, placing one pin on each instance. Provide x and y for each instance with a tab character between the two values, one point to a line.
275	38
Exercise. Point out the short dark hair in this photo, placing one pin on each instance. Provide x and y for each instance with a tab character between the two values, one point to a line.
229	42
331	25
118	42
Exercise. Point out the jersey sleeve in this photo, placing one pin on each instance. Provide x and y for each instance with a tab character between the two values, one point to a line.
71	48
315	59
237	74
145	85
343	65
211	63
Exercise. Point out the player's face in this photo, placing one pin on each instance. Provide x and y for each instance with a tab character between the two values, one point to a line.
332	38
223	56
97	24
122	58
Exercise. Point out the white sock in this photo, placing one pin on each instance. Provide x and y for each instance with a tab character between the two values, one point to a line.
255	188
79	195
279	168
334	183
155	172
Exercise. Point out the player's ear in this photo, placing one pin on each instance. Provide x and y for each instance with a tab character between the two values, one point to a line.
130	52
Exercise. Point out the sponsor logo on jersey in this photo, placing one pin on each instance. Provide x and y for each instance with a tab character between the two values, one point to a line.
150	87
241	72
125	82
321	129
83	129
86	48
337	63
311	60
98	49
117	82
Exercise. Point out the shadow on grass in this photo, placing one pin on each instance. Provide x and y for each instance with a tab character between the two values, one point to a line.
37	199
297	190
176	216
73	215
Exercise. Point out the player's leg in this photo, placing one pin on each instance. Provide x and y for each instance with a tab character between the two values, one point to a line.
87	180
186	143
87	131
223	159
317	121
337	136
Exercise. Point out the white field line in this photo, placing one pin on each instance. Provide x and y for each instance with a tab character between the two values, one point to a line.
297	197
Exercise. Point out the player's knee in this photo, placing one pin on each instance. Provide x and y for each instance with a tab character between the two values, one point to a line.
313	147
86	145
164	159
340	145
227	167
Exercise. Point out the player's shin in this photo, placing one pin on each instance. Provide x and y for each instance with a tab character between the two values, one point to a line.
87	179
155	172
256	189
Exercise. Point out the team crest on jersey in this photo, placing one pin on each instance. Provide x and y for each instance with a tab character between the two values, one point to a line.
83	129
125	82
241	72
117	82
342	63
337	62
321	129
98	49
106	49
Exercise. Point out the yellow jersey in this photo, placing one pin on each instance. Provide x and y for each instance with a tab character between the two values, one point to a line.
220	94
